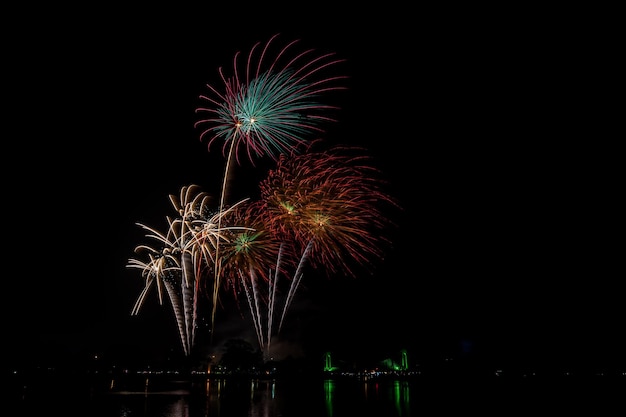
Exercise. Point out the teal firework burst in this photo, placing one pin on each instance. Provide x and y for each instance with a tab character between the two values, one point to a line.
274	105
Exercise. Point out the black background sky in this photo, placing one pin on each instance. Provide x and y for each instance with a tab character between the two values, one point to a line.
486	124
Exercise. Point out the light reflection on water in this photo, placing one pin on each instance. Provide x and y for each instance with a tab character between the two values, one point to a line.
300	397
231	398
154	397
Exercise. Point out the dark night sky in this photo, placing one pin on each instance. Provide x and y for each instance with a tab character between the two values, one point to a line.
483	127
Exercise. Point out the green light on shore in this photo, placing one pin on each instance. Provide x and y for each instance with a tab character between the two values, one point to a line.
328	367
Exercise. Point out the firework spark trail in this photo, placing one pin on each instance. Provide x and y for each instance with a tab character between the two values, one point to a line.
273	283
189	206
254	310
257	303
295	282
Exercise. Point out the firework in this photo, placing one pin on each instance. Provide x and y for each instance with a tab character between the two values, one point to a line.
271	104
329	206
335	199
181	259
320	209
162	269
